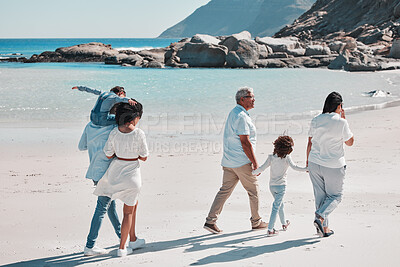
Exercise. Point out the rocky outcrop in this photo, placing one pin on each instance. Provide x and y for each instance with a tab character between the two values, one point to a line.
205	39
395	49
91	52
367	21
232	40
244	54
279	44
239	51
312	50
202	55
120	59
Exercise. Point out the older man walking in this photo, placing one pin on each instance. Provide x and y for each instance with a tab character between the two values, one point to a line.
238	161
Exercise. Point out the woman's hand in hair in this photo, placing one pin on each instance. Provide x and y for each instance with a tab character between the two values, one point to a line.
132	102
342	114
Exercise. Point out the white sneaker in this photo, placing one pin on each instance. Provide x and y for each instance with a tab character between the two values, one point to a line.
137	244
124	252
94	251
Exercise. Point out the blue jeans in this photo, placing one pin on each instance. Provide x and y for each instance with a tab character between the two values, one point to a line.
277	191
328	189
104	204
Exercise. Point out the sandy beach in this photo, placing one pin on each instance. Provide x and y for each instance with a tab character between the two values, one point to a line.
46	204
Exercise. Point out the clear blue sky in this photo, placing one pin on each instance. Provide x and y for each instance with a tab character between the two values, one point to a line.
91	18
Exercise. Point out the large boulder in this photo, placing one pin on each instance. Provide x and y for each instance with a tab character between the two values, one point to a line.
294	62
244	55
299	52
355	66
231	41
90	52
278	55
312	50
153	64
172	50
204	39
156	54
203	55
395	49
47	56
262	51
311	63
133	60
279	44
270	63
336	46
339	62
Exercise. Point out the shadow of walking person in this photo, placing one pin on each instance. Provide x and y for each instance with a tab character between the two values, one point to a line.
240	253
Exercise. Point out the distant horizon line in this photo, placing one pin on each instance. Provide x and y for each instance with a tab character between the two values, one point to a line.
89	38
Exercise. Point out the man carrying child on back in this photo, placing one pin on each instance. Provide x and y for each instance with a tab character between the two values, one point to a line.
100	113
93	139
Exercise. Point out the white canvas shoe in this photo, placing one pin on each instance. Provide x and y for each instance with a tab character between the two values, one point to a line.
137	244
94	251
124	252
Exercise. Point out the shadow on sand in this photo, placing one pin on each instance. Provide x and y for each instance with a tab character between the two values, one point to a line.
191	244
246	252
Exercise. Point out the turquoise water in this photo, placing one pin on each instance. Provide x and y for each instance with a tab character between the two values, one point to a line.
28	47
42	92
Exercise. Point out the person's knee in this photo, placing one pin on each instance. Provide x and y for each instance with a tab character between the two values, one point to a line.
128	210
101	206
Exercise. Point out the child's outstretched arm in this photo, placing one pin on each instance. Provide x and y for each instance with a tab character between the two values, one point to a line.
262	168
87	90
294	166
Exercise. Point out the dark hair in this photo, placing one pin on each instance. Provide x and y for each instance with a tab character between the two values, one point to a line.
332	101
117	89
283	146
126	112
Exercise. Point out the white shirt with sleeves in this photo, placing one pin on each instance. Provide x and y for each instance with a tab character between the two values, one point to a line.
328	132
237	123
279	167
123	180
126	145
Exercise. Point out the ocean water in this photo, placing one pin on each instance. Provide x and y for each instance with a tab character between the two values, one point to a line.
28	47
41	92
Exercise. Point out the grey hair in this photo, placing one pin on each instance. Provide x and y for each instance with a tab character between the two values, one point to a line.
243	91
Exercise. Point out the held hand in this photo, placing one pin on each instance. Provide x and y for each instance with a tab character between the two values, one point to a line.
75	87
255	166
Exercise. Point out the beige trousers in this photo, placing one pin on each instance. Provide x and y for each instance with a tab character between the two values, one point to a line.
230	179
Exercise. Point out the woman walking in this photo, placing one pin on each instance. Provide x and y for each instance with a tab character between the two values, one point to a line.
325	159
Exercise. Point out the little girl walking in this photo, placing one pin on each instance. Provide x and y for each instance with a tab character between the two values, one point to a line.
279	161
126	145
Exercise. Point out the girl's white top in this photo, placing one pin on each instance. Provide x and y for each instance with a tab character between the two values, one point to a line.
123	180
279	167
126	145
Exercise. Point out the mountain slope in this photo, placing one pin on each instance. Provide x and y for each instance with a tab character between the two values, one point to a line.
218	17
275	14
225	17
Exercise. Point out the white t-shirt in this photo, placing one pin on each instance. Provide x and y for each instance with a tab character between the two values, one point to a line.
279	167
126	145
328	132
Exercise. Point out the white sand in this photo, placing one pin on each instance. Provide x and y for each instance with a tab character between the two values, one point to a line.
46	205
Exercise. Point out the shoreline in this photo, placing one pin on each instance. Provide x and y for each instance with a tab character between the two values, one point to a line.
278	117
